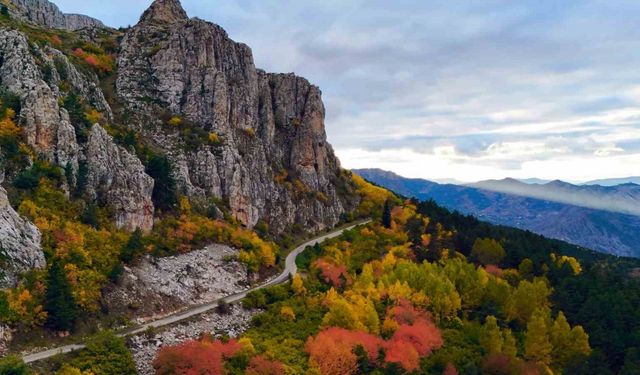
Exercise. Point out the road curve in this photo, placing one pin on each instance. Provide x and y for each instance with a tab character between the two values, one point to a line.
290	268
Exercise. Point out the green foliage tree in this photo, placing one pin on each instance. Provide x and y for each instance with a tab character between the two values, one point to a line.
164	196
74	106
81	180
59	303
631	364
487	251
105	354
525	268
13	365
133	247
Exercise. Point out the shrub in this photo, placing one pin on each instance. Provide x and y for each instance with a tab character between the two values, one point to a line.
13	365
105	354
175	121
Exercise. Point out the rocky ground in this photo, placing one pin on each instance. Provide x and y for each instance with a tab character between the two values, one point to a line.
146	345
159	286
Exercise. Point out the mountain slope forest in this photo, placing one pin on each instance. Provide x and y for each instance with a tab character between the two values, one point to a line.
504	203
424	290
125	154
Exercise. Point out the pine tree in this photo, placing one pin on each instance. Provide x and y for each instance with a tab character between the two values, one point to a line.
133	247
164	196
386	214
59	302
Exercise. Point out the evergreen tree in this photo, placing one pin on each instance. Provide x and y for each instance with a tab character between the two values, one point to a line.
90	215
164	196
386	214
631	362
133	247
59	302
81	181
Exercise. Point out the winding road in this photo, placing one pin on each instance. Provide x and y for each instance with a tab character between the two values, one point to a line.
290	269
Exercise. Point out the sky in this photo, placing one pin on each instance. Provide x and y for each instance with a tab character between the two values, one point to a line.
465	90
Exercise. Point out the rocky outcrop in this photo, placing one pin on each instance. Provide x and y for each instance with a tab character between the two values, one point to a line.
160	286
117	178
269	158
19	244
46	126
6	336
47	14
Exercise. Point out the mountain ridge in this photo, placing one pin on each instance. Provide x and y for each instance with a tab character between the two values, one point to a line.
607	232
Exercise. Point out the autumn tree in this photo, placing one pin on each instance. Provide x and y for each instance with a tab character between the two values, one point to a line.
259	365
527	297
567	342
491	338
537	344
195	357
332	350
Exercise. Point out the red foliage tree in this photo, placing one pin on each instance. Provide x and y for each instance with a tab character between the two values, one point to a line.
204	357
450	369
259	365
332	273
410	342
405	313
332	350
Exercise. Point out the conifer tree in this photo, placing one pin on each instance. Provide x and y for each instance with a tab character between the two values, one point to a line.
386	214
59	302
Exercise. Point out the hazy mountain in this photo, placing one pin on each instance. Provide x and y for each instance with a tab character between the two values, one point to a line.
604	231
623	198
615	181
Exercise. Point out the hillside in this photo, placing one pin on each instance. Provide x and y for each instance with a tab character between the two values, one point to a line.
608	232
159	194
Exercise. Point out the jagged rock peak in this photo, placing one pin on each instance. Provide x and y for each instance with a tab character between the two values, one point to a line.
164	11
47	14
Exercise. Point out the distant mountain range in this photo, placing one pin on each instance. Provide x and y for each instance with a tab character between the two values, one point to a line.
615	181
573	213
623	198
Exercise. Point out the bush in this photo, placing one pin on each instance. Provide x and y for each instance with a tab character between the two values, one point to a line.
13	365
105	354
29	179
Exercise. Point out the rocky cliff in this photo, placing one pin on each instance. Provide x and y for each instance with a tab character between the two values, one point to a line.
47	14
236	136
19	245
263	147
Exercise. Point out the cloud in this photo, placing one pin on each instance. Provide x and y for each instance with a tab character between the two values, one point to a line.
490	88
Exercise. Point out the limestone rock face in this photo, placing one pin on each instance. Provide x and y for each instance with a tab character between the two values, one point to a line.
19	244
117	178
46	125
269	158
47	14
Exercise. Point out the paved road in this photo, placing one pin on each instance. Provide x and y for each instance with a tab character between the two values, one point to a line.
290	268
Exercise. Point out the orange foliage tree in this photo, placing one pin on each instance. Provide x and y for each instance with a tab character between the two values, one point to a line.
332	350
